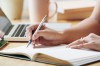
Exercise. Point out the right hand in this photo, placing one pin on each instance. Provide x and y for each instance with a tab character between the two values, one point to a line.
46	36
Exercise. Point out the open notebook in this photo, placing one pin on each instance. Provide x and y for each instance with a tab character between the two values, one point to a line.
58	55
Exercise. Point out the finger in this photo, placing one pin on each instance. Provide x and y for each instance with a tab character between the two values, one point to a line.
77	46
85	45
89	45
28	35
37	41
92	35
33	42
47	34
48	42
41	33
77	42
29	30
44	41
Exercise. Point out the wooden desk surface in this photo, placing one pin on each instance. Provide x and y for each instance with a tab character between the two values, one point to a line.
4	61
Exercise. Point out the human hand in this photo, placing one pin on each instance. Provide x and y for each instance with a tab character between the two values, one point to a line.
46	36
29	31
92	41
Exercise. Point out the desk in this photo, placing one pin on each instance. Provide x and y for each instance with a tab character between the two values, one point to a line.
4	61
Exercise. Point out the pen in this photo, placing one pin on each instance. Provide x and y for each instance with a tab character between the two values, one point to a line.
38	28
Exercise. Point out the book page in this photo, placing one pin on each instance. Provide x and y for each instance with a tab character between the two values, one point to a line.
60	52
74	56
30	51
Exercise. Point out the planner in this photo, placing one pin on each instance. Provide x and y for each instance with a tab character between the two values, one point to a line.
56	55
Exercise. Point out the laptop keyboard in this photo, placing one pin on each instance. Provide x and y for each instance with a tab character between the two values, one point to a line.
9	29
19	31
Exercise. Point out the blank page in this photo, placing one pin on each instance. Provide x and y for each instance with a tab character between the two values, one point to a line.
75	56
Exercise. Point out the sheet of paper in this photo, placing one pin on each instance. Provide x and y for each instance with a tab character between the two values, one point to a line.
30	51
61	52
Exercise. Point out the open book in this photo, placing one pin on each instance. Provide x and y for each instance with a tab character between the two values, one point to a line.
58	55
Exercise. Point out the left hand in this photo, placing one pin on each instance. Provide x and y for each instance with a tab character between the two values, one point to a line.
92	41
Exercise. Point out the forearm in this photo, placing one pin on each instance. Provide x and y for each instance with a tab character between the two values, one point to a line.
82	29
96	11
87	26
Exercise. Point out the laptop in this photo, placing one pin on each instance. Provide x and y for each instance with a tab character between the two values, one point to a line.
12	32
16	31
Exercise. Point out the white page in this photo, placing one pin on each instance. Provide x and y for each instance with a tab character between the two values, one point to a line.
30	51
75	56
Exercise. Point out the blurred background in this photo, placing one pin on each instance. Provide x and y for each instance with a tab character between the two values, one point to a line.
67	9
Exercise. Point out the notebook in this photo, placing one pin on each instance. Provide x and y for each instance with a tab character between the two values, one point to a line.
57	55
16	31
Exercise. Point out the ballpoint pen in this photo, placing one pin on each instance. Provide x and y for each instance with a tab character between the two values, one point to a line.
38	28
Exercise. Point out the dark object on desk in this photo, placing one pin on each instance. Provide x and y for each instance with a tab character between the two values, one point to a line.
3	43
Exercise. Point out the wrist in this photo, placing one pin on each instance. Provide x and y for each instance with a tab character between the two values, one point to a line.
65	36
